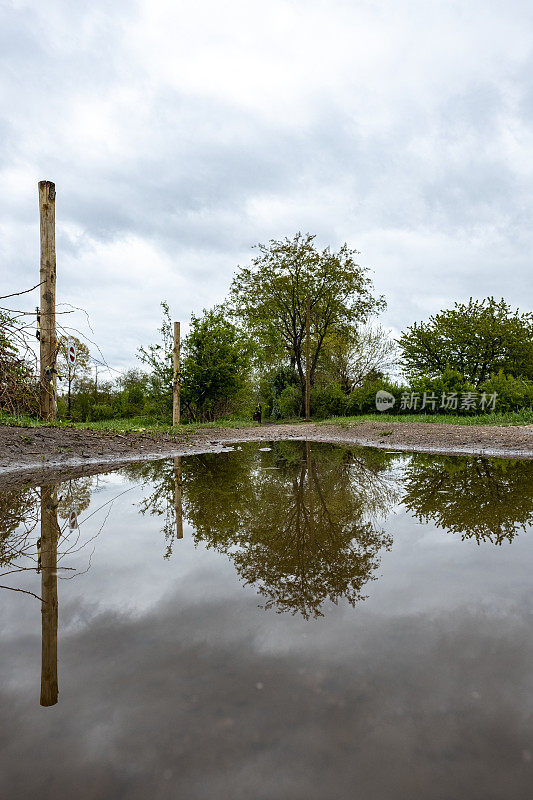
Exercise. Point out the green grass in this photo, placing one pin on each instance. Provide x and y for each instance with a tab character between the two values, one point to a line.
129	425
523	417
150	426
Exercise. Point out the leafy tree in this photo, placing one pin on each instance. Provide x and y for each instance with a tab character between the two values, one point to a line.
270	297
476	339
357	353
215	366
73	373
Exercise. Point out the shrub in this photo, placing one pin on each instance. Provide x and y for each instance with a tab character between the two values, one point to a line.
328	401
363	399
290	402
271	387
513	393
101	411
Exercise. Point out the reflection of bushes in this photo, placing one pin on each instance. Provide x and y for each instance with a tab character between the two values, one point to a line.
488	499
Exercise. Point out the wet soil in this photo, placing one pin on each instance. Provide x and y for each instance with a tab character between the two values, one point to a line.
43	455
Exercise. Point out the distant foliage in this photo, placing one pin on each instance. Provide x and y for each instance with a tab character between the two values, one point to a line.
476	339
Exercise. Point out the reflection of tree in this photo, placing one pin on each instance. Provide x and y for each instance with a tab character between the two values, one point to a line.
488	499
75	496
19	516
297	521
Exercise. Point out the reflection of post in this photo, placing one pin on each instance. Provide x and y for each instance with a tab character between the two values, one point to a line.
310	490
178	508
49	537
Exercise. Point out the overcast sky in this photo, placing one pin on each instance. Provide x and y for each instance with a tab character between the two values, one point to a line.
181	133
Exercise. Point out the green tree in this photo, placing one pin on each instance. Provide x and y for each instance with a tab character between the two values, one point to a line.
477	339
270	297
357	354
215	366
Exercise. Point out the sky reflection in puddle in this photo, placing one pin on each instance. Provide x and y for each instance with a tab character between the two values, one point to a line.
350	621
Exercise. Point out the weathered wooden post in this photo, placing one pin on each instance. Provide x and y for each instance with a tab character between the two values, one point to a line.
176	376
307	361
48	341
178	505
49	540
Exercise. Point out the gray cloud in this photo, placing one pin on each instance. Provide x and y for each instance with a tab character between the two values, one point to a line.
178	137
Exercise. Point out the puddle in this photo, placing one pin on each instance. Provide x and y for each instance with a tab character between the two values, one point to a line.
284	621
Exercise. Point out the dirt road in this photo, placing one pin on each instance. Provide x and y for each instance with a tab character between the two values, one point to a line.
44	455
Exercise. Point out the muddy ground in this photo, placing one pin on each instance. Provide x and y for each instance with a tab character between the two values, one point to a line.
46	455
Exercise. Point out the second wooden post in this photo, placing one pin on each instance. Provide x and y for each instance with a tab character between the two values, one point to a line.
308	361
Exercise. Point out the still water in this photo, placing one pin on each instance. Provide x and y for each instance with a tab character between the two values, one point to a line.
285	621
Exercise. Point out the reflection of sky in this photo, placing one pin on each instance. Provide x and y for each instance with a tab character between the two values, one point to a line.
174	683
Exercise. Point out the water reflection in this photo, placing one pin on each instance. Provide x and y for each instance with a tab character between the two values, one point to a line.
489	500
301	523
298	522
25	513
47	544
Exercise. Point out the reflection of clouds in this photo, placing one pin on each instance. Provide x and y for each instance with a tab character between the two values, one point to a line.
164	704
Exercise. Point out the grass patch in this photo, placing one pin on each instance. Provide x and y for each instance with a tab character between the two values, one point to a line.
523	417
129	425
150	426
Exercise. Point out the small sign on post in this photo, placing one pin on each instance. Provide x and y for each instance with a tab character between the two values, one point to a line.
72	353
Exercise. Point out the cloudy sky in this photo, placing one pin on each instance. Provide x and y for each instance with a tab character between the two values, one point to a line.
179	134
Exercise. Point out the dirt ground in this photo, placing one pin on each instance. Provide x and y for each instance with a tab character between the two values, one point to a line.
46	455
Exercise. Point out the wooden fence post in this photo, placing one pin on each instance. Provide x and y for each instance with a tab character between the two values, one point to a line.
48	340
307	361
176	376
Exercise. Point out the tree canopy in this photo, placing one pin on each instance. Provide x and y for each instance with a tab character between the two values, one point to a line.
270	297
477	339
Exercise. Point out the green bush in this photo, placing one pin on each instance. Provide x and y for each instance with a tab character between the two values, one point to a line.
328	401
290	402
449	381
101	411
513	394
272	385
363	399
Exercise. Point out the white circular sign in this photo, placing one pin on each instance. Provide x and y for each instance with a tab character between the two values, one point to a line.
71	354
